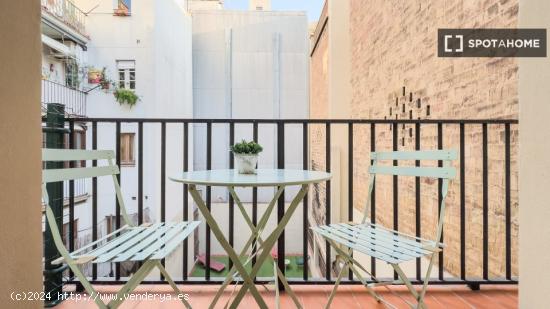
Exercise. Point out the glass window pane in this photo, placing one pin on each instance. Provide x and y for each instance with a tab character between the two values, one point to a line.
132	85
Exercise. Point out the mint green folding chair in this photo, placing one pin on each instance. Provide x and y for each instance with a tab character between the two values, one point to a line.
385	244
147	243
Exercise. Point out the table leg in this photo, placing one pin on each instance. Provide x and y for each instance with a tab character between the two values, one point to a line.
256	231
248	282
270	241
276	271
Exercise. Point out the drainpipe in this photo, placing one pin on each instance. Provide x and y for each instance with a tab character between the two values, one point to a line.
55	130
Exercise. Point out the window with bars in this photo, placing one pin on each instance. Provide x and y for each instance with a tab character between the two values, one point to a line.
126	74
127	155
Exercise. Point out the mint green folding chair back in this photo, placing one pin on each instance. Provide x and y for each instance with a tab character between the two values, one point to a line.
385	244
148	243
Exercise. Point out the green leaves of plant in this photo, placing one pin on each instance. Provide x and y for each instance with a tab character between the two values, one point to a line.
245	147
126	96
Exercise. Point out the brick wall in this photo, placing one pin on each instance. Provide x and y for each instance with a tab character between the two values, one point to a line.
394	45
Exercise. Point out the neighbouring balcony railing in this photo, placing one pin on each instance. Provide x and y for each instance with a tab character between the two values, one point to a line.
487	148
67	12
73	99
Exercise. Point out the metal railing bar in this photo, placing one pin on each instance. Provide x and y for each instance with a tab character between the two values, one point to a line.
418	209
328	266
462	204
94	198
119	176
162	180
280	202
440	195
508	206
485	204
300	121
185	198
305	205
208	197
231	201
350	181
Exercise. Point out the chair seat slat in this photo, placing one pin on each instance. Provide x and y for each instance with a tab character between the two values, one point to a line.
355	246
391	249
173	231
176	241
116	242
382	241
388	235
143	244
128	244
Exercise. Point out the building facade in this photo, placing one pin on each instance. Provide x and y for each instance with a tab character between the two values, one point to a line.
249	65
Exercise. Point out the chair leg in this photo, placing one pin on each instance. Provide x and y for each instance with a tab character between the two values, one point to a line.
425	285
86	284
352	263
336	284
276	282
172	283
132	283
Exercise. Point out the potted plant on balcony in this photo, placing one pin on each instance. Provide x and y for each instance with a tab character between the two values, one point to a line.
246	156
126	96
104	81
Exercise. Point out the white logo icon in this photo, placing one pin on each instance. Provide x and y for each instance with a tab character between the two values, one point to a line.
461	45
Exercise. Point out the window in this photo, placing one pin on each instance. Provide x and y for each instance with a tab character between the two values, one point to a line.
127	157
122	7
126	74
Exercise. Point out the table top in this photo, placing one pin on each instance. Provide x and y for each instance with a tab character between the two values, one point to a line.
262	178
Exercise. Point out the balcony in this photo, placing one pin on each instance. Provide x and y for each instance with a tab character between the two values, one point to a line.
64	15
74	100
481	232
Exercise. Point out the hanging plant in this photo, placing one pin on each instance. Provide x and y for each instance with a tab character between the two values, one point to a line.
126	96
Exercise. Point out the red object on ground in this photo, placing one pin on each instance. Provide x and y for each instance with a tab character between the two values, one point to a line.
274	254
215	265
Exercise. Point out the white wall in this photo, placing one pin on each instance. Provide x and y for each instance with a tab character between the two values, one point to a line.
157	36
534	165
252	65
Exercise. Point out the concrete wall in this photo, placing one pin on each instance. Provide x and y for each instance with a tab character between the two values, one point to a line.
534	166
20	137
251	65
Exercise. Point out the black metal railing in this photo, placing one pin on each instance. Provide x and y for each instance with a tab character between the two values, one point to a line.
464	136
73	99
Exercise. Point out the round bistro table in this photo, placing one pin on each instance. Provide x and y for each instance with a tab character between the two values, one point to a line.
231	179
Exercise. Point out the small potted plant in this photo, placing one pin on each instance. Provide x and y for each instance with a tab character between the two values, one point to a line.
104	81
246	156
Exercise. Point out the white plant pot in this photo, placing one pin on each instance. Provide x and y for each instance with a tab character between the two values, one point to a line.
246	163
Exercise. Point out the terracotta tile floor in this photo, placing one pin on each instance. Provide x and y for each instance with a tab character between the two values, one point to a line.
315	296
